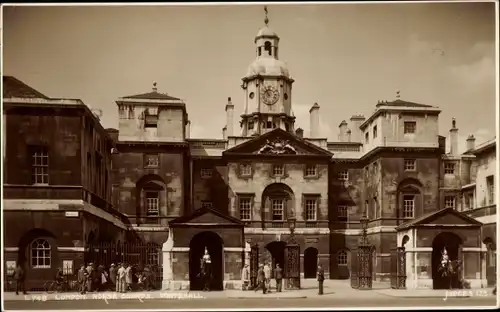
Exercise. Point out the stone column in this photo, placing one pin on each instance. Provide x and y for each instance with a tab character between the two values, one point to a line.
168	274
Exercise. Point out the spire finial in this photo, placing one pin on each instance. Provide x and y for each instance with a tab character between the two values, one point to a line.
266	19
154	86
398	95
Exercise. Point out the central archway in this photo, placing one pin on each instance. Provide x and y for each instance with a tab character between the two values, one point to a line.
215	246
277	251
452	243
310	262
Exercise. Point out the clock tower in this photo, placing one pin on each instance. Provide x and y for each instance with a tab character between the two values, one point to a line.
267	88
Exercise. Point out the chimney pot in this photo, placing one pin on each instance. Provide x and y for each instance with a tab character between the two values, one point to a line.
299	132
471	142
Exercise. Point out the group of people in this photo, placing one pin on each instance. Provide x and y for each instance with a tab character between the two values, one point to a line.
121	278
264	275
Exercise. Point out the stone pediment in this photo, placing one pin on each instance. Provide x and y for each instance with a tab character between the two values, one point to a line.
278	143
444	217
206	217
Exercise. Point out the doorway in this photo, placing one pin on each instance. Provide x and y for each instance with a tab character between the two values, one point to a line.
310	262
277	251
452	243
215	247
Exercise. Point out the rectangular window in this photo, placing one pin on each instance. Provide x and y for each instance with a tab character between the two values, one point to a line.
343	212
367	138
311	209
343	175
408	206
410	164
449	202
206	173
153	204
245	170
375	132
311	170
151	160
278	170
269	125
40	165
410	127
278	208
150	121
245	208
468	201
449	168
490	184
206	204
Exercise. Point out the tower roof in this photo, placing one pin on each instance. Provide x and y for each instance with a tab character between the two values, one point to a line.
268	66
266	32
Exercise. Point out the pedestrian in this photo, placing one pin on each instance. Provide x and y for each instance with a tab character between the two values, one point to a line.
128	277
103	276
321	278
120	284
261	279
112	276
267	275
245	277
82	279
90	272
19	277
495	290
278	276
147	278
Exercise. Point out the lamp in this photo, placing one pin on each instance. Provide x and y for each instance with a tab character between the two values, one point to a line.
291	224
364	223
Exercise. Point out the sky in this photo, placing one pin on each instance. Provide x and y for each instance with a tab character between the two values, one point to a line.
345	57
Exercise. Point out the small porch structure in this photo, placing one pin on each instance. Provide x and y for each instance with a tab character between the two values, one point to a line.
424	240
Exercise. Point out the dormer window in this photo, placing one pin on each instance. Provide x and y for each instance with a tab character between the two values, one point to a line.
410	127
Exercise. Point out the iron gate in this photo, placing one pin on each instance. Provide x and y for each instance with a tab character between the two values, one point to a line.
254	265
292	265
398	268
138	254
362	267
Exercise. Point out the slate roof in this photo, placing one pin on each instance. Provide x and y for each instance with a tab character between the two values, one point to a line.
154	95
401	103
14	88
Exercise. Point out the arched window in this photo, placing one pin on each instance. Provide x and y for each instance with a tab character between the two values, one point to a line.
342	258
267	47
40	254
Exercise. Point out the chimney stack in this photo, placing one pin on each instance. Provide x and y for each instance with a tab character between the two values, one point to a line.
224	133
454	138
229	117
471	142
97	113
356	122
348	135
188	129
343	131
314	121
299	132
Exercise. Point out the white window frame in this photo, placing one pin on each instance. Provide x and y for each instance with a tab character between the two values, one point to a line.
40	166
450	199
311	209
410	164
311	170
408	206
278	205
345	212
245	170
407	128
449	168
245	207
343	175
40	249
278	170
152	203
206	173
342	258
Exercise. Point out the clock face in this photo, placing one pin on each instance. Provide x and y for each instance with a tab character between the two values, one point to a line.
270	95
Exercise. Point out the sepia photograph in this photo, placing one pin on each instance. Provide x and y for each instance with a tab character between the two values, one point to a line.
249	155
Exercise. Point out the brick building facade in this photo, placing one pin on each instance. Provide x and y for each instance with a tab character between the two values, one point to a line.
68	182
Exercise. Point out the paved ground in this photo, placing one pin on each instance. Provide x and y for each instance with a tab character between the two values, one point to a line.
217	303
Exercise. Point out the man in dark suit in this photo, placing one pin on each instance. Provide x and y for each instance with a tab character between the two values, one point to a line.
19	277
278	276
261	279
321	278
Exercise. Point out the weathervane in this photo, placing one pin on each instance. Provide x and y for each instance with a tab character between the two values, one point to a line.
266	20
154	86
398	95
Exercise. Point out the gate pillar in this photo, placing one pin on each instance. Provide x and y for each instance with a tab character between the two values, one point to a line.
254	265
292	265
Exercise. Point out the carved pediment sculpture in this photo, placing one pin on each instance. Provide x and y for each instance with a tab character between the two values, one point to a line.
277	147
